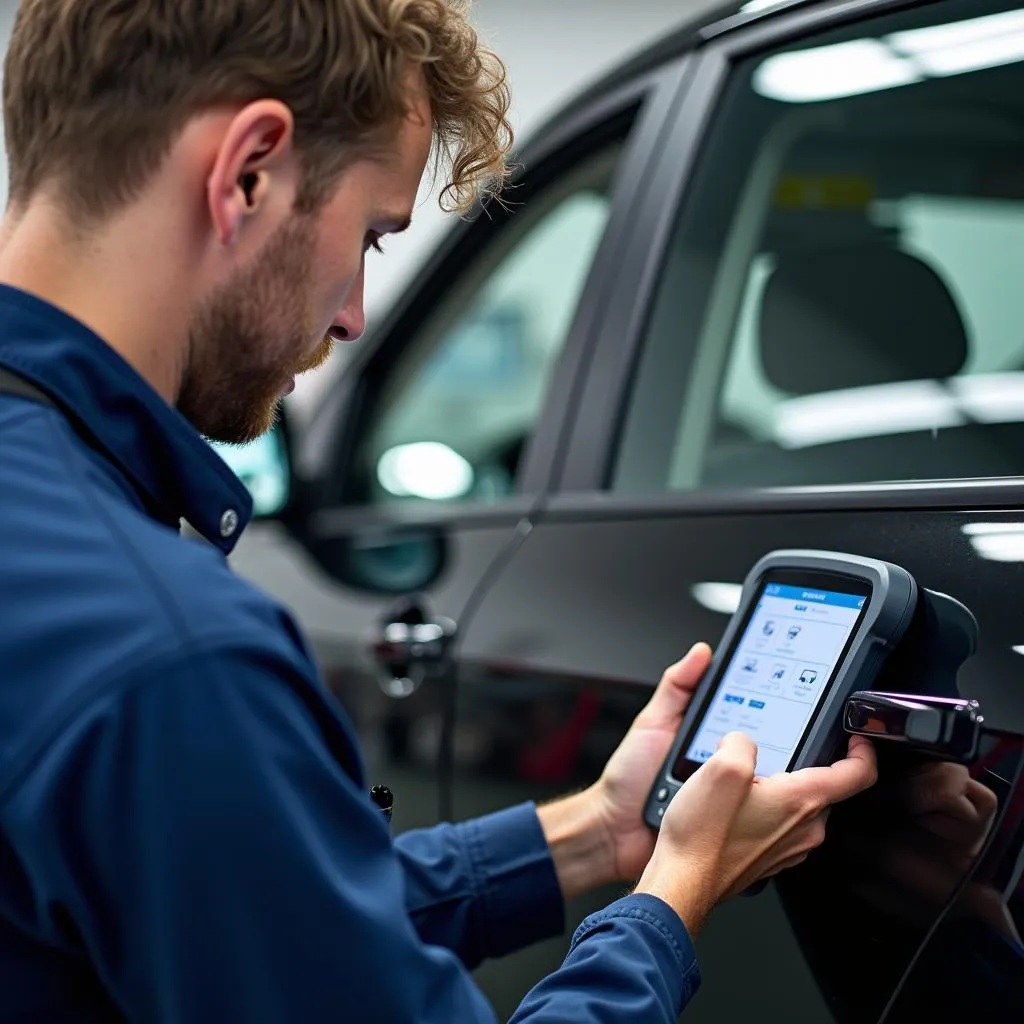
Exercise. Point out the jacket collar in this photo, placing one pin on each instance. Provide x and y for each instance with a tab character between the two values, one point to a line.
175	472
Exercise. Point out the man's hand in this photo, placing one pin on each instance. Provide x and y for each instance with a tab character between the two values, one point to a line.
599	836
624	785
726	829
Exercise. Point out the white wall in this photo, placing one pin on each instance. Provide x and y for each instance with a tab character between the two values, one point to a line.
553	48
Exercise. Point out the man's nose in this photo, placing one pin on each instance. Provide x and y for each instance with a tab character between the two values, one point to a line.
351	320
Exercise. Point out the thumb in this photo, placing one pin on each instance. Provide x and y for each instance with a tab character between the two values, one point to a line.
673	693
729	773
737	753
714	794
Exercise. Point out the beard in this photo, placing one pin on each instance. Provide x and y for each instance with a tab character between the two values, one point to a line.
250	337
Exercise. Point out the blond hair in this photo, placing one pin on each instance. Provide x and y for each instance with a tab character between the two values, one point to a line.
96	91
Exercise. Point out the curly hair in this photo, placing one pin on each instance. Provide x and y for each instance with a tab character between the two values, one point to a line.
97	91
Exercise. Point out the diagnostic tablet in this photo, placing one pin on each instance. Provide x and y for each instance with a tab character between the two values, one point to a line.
812	628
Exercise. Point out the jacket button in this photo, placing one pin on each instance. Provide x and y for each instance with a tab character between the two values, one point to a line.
228	523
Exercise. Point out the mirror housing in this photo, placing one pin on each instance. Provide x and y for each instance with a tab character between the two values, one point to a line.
383	561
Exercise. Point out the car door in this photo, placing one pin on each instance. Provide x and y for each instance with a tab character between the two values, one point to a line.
815	341
418	474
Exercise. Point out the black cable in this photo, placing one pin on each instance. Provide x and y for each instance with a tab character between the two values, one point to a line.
450	679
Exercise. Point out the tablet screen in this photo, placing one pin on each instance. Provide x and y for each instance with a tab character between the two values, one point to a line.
779	670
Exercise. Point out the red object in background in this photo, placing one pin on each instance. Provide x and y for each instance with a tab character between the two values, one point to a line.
554	758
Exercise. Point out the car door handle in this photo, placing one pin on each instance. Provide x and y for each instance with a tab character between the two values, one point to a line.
948	728
412	647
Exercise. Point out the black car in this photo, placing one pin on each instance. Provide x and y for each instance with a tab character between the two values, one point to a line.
761	288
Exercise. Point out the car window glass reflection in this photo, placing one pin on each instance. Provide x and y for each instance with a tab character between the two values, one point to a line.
461	406
841	302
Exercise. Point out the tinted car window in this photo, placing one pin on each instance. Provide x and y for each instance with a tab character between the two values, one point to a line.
842	302
457	411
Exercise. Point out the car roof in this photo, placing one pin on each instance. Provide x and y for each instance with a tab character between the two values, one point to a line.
687	35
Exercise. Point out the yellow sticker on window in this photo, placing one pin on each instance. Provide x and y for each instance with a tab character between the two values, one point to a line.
823	192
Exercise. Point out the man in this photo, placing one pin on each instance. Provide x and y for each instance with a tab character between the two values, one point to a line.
185	831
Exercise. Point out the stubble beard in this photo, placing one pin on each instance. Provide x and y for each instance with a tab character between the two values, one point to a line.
249	338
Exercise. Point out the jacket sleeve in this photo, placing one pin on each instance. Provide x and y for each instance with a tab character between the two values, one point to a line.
200	842
482	888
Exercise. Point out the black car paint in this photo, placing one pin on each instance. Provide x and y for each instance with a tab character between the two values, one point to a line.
543	624
570	602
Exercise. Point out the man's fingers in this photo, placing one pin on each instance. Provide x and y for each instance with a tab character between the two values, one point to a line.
677	685
736	756
790	862
857	772
722	783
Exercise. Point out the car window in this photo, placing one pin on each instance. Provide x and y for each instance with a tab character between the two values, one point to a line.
842	302
459	407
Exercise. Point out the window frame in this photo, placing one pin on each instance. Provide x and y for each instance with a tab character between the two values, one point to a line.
335	431
585	480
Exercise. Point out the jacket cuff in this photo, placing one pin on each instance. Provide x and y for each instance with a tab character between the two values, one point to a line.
520	899
664	934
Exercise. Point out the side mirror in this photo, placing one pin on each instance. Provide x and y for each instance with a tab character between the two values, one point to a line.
264	466
384	561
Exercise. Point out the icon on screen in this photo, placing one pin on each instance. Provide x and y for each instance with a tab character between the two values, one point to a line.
750	665
768	628
779	672
731	698
808	676
794	631
799	607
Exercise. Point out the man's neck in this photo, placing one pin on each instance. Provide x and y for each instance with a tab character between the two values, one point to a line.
113	282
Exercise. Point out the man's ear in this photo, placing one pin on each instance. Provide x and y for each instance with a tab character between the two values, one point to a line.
254	152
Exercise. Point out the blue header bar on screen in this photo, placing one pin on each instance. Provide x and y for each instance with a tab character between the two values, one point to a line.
832	597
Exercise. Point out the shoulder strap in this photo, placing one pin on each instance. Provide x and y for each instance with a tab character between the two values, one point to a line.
13	384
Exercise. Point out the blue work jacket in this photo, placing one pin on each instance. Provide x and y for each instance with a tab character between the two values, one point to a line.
186	835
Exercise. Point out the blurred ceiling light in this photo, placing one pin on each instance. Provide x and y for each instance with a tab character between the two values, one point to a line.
987	53
718	597
865	412
759	5
901	58
831	72
997	542
425	469
991	397
904	407
1018	649
957	33
964	45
